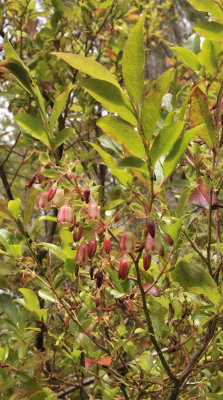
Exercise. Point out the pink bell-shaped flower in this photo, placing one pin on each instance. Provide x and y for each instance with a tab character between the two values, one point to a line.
58	199
42	203
65	216
123	268
93	211
78	233
51	192
81	256
107	244
127	242
91	249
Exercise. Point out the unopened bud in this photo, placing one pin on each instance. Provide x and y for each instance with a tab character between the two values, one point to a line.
127	242
31	181
107	244
91	249
66	322
58	198
70	175
78	233
42	203
123	268
146	261
99	278
93	211
65	216
87	194
151	228
51	192
92	273
81	256
40	177
118	216
169	240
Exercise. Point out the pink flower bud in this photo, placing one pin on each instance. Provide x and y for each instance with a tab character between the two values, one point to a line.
127	242
169	240
123	268
146	261
154	245
42	203
81	256
161	251
65	216
93	211
40	177
99	278
70	175
58	198
87	194
51	192
31	181
151	228
91	249
107	244
118	216
66	322
78	233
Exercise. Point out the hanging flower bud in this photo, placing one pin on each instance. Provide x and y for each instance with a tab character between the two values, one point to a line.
123	268
31	181
92	273
76	270
99	278
91	249
65	216
169	240
150	243
146	261
107	244
66	322
81	256
161	251
118	216
93	211
40	177
52	191
87	194
127	242
58	199
78	233
151	228
70	175
97	302
42	203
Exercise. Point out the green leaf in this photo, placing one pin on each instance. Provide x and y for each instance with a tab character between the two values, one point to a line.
111	97
123	133
207	57
62	136
146	360
183	201
187	56
210	30
218	247
174	230
4	212
110	205
6	239
8	307
178	150
30	299
165	140
197	280
209	6
133	62
15	250
134	162
14	207
152	103
88	66
54	249
200	114
107	142
33	126
124	177
59	106
108	159
29	206
46	295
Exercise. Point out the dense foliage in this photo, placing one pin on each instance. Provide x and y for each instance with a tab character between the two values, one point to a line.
111	201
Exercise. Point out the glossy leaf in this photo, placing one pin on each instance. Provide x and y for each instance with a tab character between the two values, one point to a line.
111	97
207	57
123	133
14	207
30	298
46	295
133	62
107	142
187	56
197	280
200	114
33	126
6	238
56	250
152	103
62	136
29	206
88	66
183	201
134	162
108	159
59	106
177	151
9	307
209	6
165	140
210	30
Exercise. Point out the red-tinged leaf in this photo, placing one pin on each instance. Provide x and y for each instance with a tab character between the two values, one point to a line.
200	114
89	362
200	197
